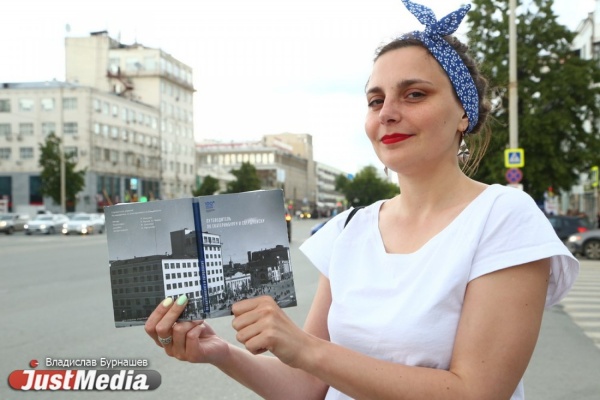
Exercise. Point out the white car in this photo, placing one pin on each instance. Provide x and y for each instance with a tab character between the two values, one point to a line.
45	223
10	222
84	224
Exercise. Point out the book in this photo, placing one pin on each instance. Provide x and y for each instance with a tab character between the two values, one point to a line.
215	249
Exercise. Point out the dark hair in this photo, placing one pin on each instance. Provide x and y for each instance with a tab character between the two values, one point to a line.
477	143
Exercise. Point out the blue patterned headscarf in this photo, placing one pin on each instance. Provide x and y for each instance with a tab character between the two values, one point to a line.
433	38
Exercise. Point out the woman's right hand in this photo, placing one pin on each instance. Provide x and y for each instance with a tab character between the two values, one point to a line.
193	341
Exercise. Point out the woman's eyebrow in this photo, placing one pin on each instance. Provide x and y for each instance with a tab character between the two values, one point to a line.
400	85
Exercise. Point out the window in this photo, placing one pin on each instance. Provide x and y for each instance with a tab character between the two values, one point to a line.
48	128
114	132
4	105
71	151
70	128
5	130
26	105
69	103
105	108
47	104
97	106
133	64
26	128
26	153
35	190
5	153
115	111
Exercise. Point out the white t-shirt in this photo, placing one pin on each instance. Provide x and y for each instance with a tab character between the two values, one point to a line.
405	308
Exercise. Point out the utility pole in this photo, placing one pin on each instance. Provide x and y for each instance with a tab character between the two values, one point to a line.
513	94
61	150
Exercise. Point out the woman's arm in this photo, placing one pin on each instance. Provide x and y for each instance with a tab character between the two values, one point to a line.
497	333
268	376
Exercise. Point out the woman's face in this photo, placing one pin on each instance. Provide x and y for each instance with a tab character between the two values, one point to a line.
413	116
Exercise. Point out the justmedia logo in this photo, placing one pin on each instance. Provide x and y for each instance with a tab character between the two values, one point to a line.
82	379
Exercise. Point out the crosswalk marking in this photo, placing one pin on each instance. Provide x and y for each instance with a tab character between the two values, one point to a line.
582	303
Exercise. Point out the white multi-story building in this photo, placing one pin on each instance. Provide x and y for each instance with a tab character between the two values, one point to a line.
125	111
283	161
586	44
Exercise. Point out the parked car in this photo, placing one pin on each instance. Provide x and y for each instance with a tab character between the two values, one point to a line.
45	223
318	226
10	222
566	225
586	244
83	224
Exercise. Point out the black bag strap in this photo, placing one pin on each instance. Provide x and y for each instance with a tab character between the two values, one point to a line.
354	210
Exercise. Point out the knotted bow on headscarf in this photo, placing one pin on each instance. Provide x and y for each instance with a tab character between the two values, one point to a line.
433	38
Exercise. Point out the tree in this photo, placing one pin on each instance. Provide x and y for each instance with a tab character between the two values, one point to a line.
556	96
208	187
50	176
247	179
366	187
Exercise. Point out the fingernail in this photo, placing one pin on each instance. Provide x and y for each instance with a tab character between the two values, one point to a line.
167	302
181	300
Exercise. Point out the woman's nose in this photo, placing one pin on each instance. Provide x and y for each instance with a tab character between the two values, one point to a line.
389	113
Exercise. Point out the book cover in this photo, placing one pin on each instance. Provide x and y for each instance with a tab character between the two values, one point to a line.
216	249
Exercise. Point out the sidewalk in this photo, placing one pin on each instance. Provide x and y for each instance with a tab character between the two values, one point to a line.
565	364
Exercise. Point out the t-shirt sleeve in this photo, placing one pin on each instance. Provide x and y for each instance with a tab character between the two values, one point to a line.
518	232
318	248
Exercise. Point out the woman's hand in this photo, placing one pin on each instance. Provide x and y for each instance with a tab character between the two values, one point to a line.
262	325
192	341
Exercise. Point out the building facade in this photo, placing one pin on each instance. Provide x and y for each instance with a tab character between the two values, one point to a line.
124	111
283	161
584	198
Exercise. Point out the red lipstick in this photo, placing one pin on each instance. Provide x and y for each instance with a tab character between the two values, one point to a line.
394	138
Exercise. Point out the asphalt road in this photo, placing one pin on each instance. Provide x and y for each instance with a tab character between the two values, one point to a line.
55	303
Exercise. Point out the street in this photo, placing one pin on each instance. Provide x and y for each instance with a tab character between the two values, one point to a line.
55	302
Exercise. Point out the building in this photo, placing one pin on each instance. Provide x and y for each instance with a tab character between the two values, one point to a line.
283	161
328	199
125	112
586	44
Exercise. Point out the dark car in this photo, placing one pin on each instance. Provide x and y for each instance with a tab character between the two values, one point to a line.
586	244
566	225
318	226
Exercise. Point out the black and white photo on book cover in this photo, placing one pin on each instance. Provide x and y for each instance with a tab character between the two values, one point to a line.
215	249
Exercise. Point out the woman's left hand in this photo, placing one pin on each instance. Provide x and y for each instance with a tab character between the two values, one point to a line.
262	325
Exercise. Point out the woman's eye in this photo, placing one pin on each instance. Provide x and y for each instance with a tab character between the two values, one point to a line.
375	102
415	95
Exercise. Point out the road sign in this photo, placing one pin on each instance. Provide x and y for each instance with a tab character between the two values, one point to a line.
514	158
514	175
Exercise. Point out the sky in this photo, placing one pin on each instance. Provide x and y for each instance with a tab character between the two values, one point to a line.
260	66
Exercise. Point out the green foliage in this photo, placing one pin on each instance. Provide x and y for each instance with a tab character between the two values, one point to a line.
50	175
366	187
247	179
555	91
208	187
341	181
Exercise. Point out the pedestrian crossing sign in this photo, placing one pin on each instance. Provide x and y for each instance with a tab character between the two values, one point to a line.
514	158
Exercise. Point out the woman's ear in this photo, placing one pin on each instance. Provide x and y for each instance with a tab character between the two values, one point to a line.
464	123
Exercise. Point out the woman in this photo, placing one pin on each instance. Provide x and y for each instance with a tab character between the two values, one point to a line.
437	293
